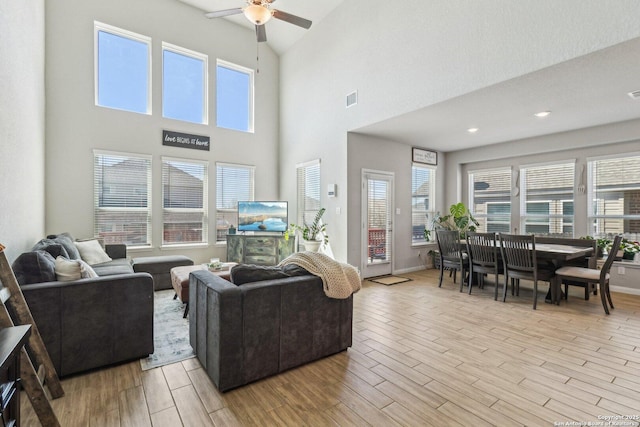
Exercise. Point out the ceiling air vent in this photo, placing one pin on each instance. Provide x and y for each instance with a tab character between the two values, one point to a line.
635	94
352	99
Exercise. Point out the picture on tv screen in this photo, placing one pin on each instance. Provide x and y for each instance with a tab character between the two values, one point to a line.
262	216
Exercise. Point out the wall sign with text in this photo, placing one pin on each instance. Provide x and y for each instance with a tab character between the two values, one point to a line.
185	140
425	156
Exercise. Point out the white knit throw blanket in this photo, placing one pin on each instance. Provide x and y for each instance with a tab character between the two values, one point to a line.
339	280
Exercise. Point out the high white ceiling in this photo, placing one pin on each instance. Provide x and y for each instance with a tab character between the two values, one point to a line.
280	35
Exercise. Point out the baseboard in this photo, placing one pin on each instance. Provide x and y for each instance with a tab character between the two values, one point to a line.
624	290
409	270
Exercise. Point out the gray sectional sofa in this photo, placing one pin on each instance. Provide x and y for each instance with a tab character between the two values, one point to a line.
89	322
255	328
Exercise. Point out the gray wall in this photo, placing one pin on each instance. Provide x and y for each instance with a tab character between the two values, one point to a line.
75	126
22	124
404	58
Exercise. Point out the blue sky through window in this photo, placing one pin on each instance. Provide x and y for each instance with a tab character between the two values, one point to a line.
183	87
123	73
233	99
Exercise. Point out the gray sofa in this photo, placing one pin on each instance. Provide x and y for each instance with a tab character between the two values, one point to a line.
91	322
242	333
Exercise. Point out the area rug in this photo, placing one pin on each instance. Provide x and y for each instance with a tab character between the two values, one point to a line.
389	280
170	332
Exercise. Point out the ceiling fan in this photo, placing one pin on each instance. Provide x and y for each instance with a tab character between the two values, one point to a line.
259	12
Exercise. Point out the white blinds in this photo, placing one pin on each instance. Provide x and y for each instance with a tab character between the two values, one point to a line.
422	201
547	199
308	186
233	183
490	199
614	196
184	201
122	198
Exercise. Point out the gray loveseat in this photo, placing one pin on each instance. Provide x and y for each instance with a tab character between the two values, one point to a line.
242	333
91	322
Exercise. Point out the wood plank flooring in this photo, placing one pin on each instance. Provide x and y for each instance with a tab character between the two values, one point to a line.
421	355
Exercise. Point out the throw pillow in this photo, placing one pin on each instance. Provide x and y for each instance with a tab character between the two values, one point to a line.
67	269
66	240
86	272
34	267
55	249
92	252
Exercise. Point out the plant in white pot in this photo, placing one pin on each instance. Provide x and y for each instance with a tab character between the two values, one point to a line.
313	235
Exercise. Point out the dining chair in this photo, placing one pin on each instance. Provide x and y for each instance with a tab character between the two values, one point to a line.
588	262
593	275
519	259
483	259
451	255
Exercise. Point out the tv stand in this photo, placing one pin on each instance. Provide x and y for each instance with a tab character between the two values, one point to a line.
259	249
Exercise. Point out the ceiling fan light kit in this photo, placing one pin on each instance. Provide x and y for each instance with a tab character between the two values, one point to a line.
258	12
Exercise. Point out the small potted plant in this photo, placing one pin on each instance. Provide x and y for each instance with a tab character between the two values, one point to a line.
459	218
313	235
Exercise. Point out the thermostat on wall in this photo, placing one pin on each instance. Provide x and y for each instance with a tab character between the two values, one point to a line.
331	190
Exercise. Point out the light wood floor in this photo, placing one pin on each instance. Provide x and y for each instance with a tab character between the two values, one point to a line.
421	355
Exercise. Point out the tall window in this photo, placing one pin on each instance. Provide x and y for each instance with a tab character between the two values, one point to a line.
423	190
184	84
233	183
184	201
308	183
490	199
122	198
234	96
547	199
614	196
122	69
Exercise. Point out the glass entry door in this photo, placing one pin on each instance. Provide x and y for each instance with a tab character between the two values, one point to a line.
377	223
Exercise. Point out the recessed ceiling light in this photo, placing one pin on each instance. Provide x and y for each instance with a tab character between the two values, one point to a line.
473	130
542	114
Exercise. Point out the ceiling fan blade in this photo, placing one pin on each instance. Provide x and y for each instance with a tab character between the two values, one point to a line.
221	13
291	19
261	33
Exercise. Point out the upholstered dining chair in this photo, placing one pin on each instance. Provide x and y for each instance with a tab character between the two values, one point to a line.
593	275
451	255
519	259
483	259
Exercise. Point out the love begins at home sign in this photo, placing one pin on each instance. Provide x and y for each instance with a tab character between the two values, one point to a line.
185	140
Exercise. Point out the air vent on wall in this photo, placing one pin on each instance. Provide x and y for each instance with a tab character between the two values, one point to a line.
352	99
635	94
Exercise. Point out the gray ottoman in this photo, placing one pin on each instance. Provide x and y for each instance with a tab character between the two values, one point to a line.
160	268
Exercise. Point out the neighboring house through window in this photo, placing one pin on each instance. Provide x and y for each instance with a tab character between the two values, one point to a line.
490	199
184	84
122	198
184	201
234	96
233	183
122	69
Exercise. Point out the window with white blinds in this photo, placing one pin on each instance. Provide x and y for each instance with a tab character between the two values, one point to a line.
614	196
122	198
184	201
233	183
490	199
308	185
423	190
546	204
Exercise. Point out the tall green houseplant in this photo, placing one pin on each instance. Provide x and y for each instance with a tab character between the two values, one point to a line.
459	218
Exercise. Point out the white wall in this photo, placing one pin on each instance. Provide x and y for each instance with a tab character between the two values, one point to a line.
75	126
413	55
21	125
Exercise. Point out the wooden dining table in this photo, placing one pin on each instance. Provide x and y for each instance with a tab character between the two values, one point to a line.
558	255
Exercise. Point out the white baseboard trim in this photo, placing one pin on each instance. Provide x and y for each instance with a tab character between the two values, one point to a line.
624	290
409	270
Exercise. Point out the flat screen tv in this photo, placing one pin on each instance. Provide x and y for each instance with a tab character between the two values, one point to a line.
262	216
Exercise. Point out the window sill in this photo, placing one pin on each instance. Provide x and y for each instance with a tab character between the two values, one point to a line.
184	246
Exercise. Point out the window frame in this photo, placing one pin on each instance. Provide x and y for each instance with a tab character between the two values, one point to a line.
301	193
252	184
120	32
432	203
205	203
96	195
471	195
251	101
205	79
